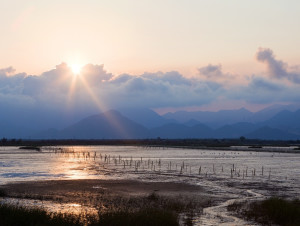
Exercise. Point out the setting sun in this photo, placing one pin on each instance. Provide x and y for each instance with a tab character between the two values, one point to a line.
76	68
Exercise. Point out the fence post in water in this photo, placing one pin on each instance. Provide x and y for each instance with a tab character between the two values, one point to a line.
262	170
199	170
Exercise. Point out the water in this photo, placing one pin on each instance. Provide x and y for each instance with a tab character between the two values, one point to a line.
227	175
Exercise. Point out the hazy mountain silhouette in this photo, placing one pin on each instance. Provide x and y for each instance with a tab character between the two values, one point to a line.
175	131
227	117
146	117
107	125
212	119
285	119
269	112
235	130
114	125
192	122
269	133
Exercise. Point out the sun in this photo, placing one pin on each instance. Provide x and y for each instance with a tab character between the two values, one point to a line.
76	68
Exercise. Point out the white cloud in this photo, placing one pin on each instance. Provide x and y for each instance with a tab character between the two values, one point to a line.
95	89
277	69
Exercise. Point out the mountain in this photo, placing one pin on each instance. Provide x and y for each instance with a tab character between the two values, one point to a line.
192	122
172	131
268	133
269	112
285	119
22	124
114	125
228	117
212	119
146	117
107	125
235	130
177	131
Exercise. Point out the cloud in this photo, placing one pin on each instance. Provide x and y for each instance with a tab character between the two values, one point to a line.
159	90
58	92
277	69
211	71
215	75
263	91
6	71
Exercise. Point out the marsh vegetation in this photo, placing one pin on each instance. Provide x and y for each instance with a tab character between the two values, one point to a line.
270	211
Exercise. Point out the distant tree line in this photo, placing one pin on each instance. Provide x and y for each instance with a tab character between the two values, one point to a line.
153	142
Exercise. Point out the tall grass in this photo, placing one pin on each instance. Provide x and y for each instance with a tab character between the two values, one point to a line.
270	211
145	217
17	215
111	210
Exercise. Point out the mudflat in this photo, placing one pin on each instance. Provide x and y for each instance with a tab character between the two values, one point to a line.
90	191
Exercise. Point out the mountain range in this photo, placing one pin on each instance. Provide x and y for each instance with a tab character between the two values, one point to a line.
280	122
274	123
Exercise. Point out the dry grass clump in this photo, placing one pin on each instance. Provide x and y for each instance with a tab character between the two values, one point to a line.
270	211
112	210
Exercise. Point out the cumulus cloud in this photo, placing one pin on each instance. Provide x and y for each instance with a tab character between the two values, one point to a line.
214	74
6	71
59	92
277	69
264	91
59	89
211	71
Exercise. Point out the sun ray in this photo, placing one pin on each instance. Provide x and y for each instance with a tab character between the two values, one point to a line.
101	107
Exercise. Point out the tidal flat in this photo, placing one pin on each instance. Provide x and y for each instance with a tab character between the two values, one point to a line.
196	184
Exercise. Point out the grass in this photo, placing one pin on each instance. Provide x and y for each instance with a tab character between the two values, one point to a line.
145	216
270	211
3	193
152	210
17	215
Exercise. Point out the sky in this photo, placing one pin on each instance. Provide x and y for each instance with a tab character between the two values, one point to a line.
169	55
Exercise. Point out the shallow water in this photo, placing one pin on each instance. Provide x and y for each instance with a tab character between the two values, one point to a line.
227	175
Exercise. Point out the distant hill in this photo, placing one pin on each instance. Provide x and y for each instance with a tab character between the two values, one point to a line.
269	112
107	125
146	117
212	119
228	117
268	133
144	123
192	122
177	131
284	120
235	130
